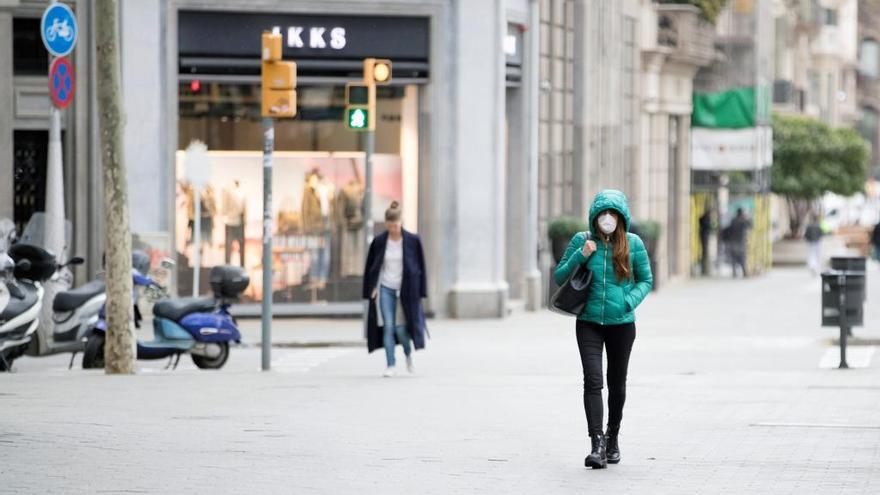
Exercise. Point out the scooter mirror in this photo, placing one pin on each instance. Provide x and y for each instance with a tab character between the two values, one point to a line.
76	260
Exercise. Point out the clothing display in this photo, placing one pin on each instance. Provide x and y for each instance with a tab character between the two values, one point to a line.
316	211
208	211
349	229
235	214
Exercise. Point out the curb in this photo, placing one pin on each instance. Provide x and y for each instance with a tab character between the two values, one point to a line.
309	345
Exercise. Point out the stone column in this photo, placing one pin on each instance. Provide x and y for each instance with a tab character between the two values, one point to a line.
478	289
532	89
7	96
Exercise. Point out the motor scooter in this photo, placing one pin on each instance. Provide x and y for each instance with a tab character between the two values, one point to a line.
201	326
23	268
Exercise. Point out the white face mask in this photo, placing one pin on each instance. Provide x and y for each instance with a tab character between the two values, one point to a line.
607	223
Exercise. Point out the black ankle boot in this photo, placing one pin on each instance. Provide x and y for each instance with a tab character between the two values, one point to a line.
597	459
613	449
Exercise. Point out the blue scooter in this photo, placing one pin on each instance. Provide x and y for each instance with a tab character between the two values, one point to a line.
200	326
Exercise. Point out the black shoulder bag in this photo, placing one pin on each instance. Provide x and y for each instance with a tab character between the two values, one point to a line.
571	297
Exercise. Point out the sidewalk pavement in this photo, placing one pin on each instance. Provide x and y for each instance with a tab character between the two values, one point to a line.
725	395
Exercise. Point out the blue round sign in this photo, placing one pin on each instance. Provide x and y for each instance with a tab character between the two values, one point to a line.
58	29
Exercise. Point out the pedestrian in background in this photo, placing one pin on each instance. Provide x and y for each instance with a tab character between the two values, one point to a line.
875	241
621	280
813	236
706	228
737	235
395	281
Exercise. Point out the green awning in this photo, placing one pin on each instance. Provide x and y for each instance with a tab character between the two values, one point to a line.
734	109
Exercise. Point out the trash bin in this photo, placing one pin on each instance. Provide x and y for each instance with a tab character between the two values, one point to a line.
849	263
853	286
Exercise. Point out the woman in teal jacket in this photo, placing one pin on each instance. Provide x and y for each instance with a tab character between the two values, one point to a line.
621	280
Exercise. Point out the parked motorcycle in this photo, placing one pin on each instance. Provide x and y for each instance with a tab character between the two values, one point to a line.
23	268
201	327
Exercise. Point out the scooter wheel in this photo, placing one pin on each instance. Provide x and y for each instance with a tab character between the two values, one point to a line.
93	355
6	362
215	363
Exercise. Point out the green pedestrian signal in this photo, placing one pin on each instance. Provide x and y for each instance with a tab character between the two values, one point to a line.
358	119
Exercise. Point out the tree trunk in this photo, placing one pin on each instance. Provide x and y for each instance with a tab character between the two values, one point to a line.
119	349
798	209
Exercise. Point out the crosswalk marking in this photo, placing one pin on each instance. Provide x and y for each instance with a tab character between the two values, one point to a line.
303	360
856	357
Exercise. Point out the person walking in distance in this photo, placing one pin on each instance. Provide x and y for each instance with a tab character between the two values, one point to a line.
813	236
875	241
737	235
621	280
706	227
395	281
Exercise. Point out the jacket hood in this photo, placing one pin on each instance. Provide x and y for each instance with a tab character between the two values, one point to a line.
610	199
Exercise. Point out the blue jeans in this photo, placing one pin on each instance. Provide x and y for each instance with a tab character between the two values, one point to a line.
388	306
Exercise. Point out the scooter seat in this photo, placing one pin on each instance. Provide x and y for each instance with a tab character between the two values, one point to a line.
176	309
72	299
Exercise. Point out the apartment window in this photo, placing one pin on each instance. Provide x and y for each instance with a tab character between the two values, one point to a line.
869	58
828	17
29	57
556	122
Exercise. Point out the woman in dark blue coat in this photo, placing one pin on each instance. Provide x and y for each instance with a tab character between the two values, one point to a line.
395	283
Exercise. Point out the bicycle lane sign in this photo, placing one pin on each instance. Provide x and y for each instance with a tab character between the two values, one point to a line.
58	29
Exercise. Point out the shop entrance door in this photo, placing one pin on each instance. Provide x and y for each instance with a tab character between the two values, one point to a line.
31	150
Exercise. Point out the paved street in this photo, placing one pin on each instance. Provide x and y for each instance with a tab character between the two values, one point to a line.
726	395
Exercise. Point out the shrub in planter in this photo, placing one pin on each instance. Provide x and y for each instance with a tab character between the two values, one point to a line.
649	231
561	230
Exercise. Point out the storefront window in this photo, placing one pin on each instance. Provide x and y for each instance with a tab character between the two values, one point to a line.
318	187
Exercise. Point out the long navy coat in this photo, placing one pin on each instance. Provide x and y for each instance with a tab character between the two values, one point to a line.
413	288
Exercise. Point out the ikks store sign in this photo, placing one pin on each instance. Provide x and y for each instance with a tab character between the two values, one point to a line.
237	35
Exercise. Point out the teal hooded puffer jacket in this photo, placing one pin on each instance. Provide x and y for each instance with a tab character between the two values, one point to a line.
611	301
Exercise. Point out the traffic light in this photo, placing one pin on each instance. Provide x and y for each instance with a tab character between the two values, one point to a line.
278	79
360	105
377	71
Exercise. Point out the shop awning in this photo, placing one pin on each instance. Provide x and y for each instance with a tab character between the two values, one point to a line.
733	109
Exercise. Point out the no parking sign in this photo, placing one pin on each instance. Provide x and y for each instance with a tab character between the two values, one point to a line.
61	82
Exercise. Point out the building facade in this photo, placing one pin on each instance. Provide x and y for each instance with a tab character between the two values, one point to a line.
456	141
868	79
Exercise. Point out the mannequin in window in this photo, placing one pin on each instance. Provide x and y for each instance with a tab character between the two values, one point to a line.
235	212
209	210
316	212
349	224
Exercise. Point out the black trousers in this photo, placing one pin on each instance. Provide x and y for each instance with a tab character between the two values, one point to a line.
618	341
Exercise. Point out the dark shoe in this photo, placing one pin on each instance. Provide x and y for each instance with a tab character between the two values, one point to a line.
597	459
612	448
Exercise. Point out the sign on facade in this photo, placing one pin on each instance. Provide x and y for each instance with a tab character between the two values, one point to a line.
61	82
58	29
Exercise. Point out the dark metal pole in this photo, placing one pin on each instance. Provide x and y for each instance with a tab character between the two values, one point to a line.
368	187
268	146
368	208
844	324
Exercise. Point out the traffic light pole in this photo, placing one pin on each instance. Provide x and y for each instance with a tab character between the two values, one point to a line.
844	323
370	138
368	186
268	146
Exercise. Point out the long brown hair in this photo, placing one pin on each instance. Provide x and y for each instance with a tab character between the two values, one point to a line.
620	247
